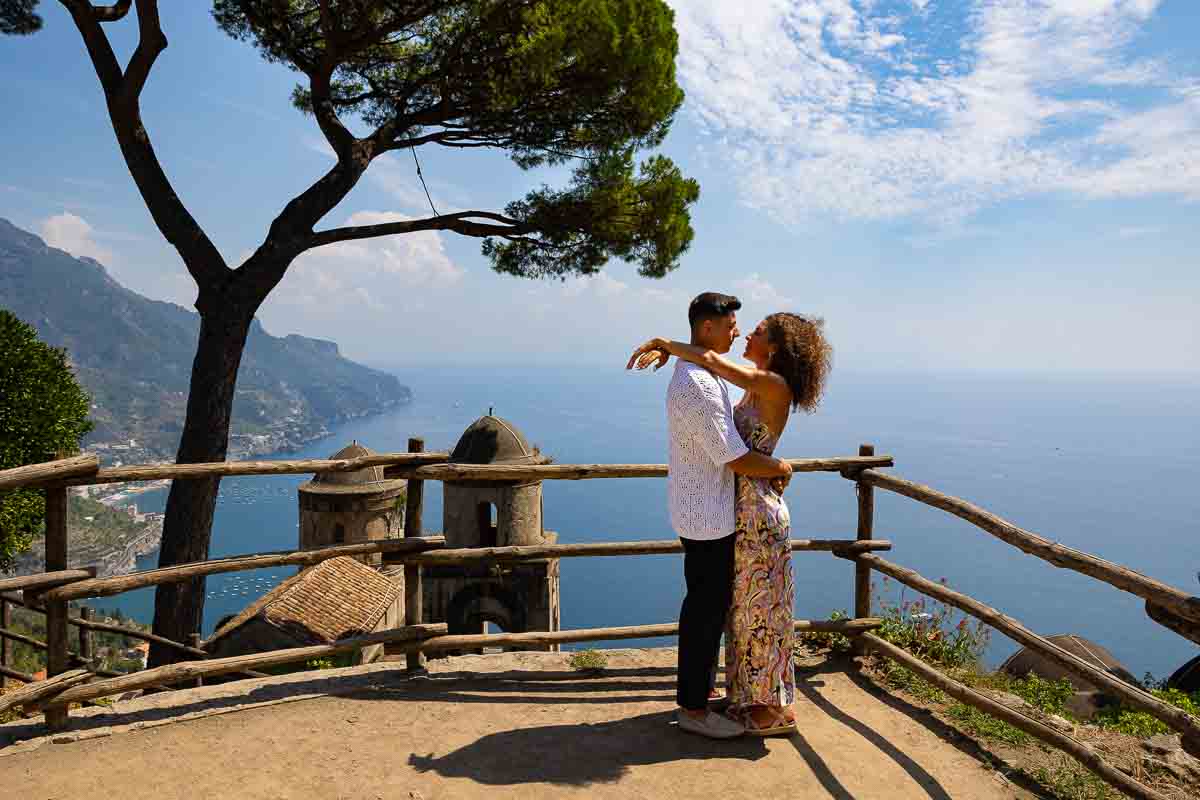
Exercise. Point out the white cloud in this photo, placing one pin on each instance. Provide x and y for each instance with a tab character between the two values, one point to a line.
377	276
759	291
601	284
841	107
72	233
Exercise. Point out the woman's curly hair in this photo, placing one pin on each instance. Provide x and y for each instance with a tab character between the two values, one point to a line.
802	357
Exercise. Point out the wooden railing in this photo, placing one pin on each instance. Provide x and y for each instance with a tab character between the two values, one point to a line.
59	585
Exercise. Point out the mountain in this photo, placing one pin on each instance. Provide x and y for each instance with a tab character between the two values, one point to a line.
134	356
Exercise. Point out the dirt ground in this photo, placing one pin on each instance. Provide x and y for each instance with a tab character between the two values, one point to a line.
517	725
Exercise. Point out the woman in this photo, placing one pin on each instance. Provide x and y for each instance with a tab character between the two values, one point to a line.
790	360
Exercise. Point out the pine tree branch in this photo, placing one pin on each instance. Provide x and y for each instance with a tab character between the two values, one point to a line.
461	222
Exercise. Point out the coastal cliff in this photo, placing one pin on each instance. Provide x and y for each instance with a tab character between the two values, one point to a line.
134	355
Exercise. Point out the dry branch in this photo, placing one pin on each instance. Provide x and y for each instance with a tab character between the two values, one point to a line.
16	674
1059	555
575	472
103	587
653	547
153	472
28	641
1186	628
48	470
1177	718
133	633
44	580
849	627
188	670
1076	749
39	690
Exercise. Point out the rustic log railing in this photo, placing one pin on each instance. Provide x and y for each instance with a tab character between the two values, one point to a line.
59	585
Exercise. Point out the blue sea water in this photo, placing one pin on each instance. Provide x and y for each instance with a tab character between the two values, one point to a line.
1105	465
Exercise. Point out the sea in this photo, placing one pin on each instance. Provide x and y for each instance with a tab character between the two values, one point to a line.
1107	465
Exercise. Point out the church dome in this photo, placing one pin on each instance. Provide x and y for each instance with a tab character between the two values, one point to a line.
367	480
492	440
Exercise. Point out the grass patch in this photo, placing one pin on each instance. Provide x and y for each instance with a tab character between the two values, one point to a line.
1068	780
898	676
588	660
1139	723
1048	696
985	726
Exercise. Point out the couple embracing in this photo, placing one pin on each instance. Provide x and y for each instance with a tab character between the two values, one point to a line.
725	495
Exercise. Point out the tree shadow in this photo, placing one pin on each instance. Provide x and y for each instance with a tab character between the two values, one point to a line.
926	781
582	754
947	733
819	768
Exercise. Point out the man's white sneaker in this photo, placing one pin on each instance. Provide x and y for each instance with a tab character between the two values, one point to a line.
714	726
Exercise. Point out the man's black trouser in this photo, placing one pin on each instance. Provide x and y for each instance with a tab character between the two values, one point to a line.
708	573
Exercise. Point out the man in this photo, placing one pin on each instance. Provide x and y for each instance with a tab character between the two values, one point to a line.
705	453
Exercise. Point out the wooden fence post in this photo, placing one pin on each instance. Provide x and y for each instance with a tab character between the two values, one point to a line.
5	645
195	641
57	657
866	526
86	651
413	609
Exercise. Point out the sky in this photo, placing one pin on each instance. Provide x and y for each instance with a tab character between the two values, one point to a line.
976	185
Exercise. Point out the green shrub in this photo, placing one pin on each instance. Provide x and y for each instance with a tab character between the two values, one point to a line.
932	631
588	660
1049	696
1140	724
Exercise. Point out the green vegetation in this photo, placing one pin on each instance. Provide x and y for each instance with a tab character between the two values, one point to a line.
42	412
110	648
1139	723
101	524
821	640
588	660
932	631
134	356
335	661
1068	780
985	726
1048	696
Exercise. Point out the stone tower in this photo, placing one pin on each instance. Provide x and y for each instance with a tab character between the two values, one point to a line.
350	507
516	597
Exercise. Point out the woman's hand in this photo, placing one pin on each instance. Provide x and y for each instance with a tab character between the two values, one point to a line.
652	352
780	483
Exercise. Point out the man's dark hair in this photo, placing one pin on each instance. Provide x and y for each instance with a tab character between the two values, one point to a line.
711	305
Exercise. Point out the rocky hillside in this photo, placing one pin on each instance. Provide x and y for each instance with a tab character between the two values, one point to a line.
134	357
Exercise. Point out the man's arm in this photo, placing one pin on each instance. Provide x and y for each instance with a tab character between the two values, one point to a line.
703	408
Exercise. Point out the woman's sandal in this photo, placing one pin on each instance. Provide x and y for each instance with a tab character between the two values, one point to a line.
779	726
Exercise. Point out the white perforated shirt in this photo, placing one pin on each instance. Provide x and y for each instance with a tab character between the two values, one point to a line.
702	440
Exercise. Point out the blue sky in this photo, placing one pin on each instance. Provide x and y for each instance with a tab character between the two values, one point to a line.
990	185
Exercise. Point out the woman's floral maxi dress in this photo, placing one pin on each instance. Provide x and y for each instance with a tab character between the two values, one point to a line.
758	642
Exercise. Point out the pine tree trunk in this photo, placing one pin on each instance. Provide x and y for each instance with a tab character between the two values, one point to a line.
187	527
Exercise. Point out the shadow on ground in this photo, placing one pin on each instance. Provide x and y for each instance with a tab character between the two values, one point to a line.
921	716
581	754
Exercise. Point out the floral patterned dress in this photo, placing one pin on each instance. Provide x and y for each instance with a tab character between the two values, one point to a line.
758	642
